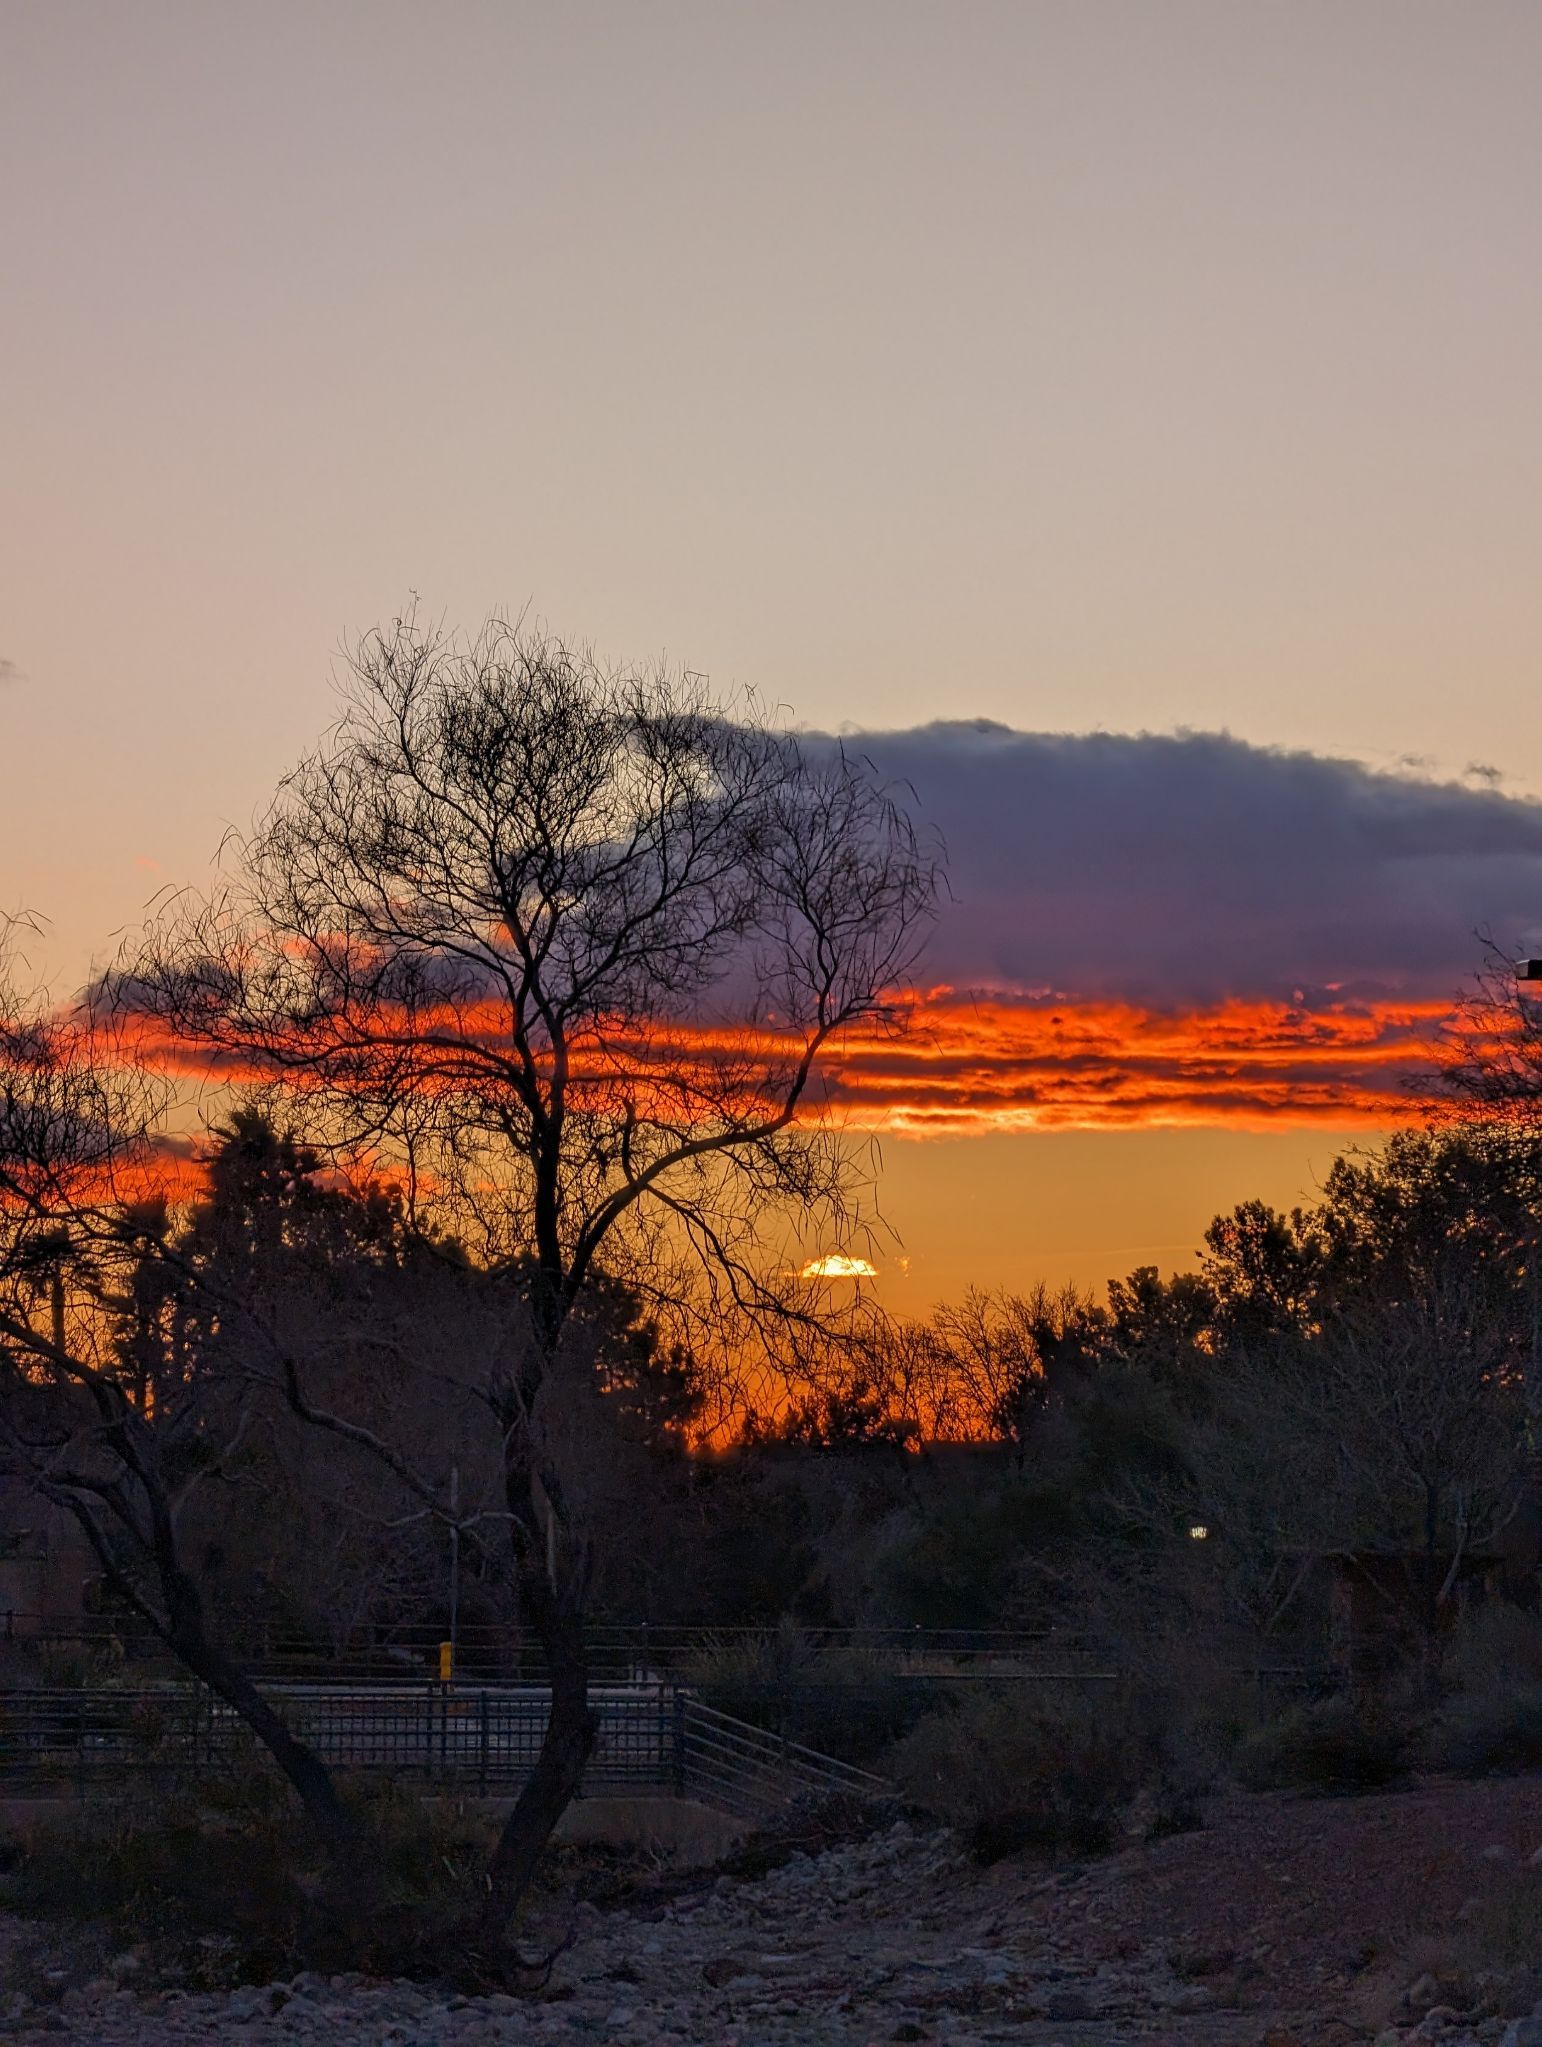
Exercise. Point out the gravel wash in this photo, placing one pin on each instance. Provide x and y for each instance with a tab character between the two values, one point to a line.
896	1938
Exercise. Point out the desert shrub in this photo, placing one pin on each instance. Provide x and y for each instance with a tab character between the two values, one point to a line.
858	1717
219	1859
1339	1744
1181	1774
1497	1644
1490	1728
1490	1732
733	1671
1193	1706
1490	1720
846	1701
79	1666
429	1854
225	1864
1021	1766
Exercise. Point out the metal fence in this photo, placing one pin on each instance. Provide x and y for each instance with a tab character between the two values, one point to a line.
656	1738
485	1739
496	1655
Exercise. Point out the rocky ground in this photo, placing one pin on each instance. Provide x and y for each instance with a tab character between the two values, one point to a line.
1402	1920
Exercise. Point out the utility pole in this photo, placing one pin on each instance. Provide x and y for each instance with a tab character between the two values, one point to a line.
454	1562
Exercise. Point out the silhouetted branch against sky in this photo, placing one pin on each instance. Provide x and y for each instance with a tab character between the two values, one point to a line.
569	939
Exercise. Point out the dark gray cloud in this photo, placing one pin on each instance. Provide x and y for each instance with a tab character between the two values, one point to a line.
1191	867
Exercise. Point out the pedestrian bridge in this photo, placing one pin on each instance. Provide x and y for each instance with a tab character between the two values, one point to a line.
480	1740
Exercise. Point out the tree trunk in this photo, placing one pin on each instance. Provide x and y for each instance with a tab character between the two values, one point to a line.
187	1634
177	1616
307	1775
566	1745
552	1590
1430	1602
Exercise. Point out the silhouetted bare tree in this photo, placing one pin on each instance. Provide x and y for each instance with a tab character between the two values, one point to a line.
78	1419
1491	1071
568	946
1011	1354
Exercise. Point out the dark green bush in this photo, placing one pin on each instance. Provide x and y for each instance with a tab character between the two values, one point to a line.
225	1859
1497	1645
960	1563
859	1719
1490	1720
1492	1731
1341	1744
231	1856
1025	1766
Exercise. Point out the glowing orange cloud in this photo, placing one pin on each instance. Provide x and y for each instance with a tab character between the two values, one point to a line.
1006	1061
1000	1062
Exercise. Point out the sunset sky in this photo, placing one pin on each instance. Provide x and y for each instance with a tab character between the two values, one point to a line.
1122	417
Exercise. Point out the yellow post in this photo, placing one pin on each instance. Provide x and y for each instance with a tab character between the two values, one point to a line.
446	1662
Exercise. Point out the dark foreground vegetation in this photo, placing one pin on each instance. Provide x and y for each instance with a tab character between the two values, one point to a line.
476	1308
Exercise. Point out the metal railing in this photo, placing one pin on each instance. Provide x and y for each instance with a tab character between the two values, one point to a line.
485	1740
494	1654
729	1763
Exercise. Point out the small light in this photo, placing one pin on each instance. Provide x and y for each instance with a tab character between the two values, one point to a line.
1199	1532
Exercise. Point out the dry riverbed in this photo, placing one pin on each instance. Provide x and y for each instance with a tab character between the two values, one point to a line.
1285	1923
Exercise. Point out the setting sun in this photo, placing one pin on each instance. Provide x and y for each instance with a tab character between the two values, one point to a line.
836	1265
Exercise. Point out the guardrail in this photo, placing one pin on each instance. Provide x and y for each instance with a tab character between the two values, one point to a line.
651	1738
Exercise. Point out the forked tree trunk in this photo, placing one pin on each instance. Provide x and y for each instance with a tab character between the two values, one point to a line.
555	1615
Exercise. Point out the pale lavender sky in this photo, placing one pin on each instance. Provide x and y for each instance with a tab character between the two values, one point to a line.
1126	366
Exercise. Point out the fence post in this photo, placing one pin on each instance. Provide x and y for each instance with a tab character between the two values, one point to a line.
482	1736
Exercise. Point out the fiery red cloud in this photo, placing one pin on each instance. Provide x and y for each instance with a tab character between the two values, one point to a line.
999	1062
975	1062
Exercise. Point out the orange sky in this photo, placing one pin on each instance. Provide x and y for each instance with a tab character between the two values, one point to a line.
1024	1138
1098	369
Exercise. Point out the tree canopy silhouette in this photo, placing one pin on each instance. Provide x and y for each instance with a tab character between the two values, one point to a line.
568	946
